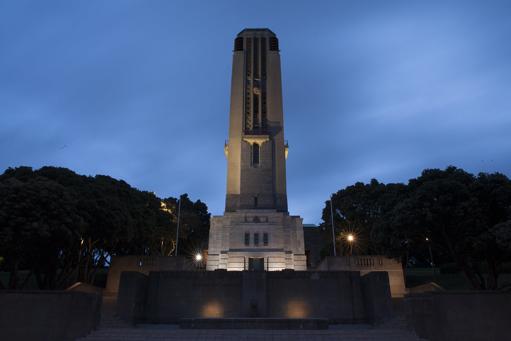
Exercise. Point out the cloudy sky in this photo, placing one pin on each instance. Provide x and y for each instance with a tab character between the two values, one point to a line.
139	90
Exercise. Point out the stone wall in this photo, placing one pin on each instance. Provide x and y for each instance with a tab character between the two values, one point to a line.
48	315
366	264
339	296
173	295
467	316
132	296
143	264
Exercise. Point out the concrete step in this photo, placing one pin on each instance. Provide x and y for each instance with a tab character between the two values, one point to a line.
109	318
254	323
149	333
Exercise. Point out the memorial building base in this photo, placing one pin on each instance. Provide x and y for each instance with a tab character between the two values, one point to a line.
256	240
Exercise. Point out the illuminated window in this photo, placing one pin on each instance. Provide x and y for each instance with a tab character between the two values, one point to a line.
255	155
247	239
256	239
265	239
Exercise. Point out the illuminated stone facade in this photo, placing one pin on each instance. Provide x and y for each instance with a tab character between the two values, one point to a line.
256	230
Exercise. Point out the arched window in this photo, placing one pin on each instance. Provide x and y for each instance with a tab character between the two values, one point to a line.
255	155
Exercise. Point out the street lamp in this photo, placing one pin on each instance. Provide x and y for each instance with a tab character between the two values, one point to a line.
332	221
198	257
432	263
351	239
178	219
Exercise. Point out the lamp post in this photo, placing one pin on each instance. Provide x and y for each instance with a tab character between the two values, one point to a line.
199	260
432	263
178	220
332	221
351	239
198	257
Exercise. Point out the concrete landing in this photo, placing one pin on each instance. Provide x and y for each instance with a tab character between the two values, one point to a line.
254	323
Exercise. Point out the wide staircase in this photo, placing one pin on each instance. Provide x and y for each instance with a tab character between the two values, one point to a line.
112	328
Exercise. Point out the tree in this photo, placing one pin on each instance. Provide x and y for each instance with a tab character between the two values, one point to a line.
360	209
62	227
194	223
464	218
38	225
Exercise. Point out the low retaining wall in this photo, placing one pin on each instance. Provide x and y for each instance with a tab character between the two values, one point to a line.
173	295
367	264
339	296
143	264
48	315
467	316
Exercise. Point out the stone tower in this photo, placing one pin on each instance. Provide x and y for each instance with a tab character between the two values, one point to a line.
256	231
256	174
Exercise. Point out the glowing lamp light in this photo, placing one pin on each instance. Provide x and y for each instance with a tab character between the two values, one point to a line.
212	309
350	238
297	308
198	257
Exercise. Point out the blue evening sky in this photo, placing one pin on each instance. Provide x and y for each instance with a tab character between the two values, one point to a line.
139	90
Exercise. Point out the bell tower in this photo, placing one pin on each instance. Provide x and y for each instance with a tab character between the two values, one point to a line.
256	231
256	173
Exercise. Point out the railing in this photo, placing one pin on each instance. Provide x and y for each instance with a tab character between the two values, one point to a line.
366	262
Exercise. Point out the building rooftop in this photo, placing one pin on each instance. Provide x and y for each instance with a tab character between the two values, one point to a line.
267	31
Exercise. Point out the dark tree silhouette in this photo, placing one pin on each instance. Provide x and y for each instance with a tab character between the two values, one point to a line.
62	227
464	218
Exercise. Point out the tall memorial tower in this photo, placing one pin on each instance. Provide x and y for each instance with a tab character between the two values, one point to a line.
256	231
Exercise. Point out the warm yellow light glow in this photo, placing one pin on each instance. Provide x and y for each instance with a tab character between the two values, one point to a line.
164	207
297	309
212	309
350	238
198	257
226	149
259	139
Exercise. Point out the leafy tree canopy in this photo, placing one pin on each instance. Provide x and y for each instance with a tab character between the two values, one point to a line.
450	213
62	227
